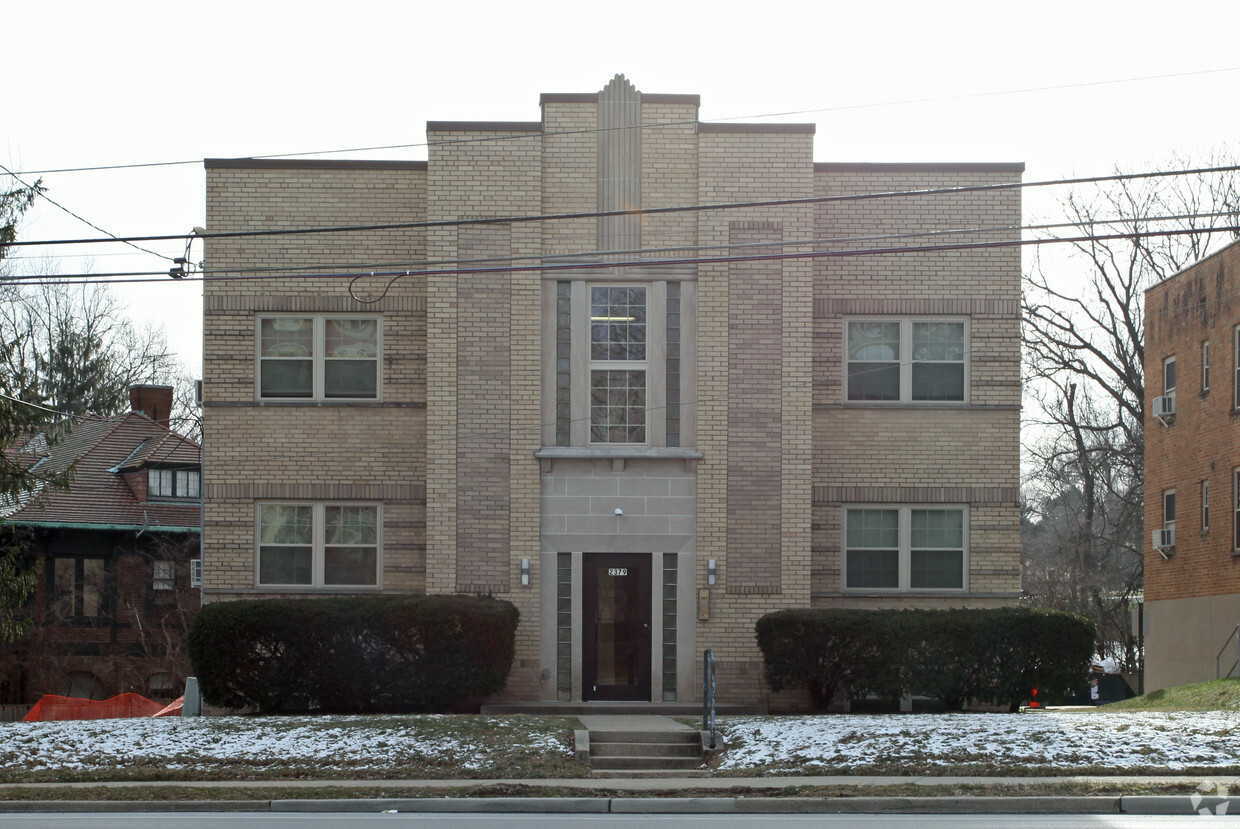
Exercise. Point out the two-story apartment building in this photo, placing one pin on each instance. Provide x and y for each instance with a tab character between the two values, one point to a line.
625	369
1192	471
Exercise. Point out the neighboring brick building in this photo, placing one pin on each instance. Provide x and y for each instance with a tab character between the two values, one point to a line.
1192	471
669	427
115	599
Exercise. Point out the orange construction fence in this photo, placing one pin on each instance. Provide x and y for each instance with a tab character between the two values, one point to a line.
52	707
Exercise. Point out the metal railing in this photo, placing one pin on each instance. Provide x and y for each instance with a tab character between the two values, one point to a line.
708	693
1218	664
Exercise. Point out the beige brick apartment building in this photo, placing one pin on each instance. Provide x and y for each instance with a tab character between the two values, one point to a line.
645	429
1192	471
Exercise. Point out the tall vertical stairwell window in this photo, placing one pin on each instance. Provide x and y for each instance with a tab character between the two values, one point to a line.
618	364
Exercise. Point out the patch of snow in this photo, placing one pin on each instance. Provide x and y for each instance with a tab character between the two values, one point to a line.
1045	740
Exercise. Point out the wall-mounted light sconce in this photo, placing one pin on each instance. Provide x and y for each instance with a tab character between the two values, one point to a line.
619	512
525	572
712	571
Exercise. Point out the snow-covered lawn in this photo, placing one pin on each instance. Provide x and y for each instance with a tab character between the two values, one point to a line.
507	747
212	747
1045	742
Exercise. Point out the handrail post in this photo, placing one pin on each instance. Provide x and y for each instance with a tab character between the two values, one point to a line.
708	693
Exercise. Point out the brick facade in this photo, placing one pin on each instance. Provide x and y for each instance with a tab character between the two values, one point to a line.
1192	591
479	446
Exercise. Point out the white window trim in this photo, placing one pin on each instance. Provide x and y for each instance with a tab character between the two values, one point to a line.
1205	365
1235	351
905	550
1235	509
318	525
906	362
175	473
1170	376
163	575
317	391
1205	507
645	366
1168	496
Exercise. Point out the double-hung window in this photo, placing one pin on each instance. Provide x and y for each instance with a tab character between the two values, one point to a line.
322	357
1205	506
173	483
905	548
1205	366
318	545
906	360
618	364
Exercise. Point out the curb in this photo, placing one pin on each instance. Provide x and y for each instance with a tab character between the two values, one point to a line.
1129	805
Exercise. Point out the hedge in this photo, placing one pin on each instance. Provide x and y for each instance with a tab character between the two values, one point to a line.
352	654
993	656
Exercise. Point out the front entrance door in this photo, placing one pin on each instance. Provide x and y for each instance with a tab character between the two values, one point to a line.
615	651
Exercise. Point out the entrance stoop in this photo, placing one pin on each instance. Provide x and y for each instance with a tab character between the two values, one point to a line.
637	745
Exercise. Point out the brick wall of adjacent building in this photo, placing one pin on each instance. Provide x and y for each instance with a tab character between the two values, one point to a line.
1191	591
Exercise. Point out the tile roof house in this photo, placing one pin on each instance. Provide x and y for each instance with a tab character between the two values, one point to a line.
115	592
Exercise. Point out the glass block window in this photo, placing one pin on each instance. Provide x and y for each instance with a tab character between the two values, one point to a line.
669	626
564	627
673	364
563	363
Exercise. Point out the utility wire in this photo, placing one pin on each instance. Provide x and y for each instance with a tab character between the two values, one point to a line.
839	108
641	263
647	211
84	221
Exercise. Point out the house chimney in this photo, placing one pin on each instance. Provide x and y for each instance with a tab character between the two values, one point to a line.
153	401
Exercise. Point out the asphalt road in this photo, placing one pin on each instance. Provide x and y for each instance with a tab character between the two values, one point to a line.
236	820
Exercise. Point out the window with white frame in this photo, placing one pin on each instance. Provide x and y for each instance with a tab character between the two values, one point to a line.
905	548
1169	510
1169	376
906	360
1205	365
162	577
318	545
1235	508
618	364
322	357
174	483
1205	506
1235	349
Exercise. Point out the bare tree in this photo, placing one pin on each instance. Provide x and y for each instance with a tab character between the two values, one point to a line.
77	349
1084	372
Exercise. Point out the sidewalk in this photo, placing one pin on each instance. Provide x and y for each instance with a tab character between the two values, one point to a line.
649	796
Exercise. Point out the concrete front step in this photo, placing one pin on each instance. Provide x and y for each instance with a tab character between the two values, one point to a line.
686	736
573	709
649	763
691	750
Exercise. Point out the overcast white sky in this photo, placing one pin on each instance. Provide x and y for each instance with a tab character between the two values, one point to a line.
94	83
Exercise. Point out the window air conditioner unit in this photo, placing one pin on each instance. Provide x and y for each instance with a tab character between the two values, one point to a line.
1163	539
1164	406
195	572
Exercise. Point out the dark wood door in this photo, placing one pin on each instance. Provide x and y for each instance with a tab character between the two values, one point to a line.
616	630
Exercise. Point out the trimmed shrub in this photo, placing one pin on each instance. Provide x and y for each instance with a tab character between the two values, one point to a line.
352	654
991	656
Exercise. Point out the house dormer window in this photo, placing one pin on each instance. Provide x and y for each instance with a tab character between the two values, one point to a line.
174	483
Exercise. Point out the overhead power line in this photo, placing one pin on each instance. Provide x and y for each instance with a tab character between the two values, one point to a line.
647	211
657	125
394	275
